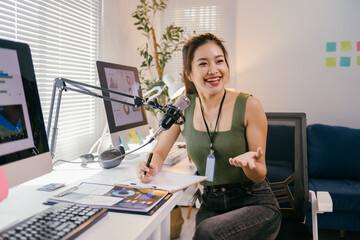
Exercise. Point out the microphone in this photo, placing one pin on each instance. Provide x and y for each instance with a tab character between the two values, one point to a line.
172	115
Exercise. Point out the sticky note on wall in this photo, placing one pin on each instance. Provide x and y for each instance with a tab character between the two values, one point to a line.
345	61
358	60
358	46
331	62
345	45
331	46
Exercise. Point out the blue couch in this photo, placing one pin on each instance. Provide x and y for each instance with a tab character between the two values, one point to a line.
334	166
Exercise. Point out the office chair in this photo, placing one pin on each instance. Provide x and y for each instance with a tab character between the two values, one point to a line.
287	171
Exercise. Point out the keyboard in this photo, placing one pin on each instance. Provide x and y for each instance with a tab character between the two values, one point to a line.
61	221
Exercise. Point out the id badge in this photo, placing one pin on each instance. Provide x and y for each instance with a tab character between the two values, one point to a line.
210	167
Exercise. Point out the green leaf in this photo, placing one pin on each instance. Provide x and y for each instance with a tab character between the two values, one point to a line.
149	61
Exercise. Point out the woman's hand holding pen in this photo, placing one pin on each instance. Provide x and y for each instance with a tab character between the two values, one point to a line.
150	172
146	171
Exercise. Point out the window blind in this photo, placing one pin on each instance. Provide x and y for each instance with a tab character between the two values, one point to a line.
218	17
63	38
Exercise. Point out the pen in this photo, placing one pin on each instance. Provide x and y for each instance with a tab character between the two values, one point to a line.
148	162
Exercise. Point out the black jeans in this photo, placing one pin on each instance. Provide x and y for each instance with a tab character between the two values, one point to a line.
238	211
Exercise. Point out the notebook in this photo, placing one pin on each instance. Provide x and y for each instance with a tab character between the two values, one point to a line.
119	198
168	181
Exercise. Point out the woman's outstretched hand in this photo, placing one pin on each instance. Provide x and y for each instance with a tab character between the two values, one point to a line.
247	159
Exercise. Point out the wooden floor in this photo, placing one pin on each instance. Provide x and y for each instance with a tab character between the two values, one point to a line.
188	229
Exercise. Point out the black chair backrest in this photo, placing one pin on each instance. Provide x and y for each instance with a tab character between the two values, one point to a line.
286	160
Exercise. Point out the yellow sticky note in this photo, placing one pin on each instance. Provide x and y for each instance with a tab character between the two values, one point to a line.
134	136
331	61
358	60
345	45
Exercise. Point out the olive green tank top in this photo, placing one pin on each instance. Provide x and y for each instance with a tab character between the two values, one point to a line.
227	144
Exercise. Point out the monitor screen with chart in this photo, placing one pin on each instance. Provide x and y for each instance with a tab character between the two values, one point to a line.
24	151
121	117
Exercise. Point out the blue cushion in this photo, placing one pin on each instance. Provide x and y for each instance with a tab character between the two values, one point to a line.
345	194
333	152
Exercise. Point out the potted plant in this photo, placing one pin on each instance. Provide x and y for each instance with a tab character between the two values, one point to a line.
156	52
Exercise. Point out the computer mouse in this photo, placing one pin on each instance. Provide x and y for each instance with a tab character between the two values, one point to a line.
111	158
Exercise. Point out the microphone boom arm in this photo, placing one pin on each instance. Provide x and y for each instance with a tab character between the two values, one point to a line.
60	84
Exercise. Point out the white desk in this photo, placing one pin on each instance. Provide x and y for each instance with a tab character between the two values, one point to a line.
24	200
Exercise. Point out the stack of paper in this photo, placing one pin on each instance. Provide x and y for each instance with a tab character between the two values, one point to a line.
171	182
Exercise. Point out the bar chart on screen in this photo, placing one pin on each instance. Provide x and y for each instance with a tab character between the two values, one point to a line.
15	130
3	77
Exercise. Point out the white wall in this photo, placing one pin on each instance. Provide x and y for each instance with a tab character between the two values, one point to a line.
119	36
281	57
280	54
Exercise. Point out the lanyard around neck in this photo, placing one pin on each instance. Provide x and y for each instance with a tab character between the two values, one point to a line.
211	137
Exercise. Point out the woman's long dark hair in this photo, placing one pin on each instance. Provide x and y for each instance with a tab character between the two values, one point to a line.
188	55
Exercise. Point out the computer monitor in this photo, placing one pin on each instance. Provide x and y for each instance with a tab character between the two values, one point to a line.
24	151
121	117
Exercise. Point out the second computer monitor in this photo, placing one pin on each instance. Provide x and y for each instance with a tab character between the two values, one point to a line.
121	117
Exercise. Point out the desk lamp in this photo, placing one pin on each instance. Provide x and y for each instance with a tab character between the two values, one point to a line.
175	88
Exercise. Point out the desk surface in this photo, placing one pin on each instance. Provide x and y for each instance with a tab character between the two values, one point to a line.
24	200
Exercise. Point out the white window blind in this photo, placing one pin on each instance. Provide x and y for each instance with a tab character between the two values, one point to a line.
218	17
63	38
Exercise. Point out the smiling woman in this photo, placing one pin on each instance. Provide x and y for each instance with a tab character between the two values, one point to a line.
225	133
208	68
209	60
